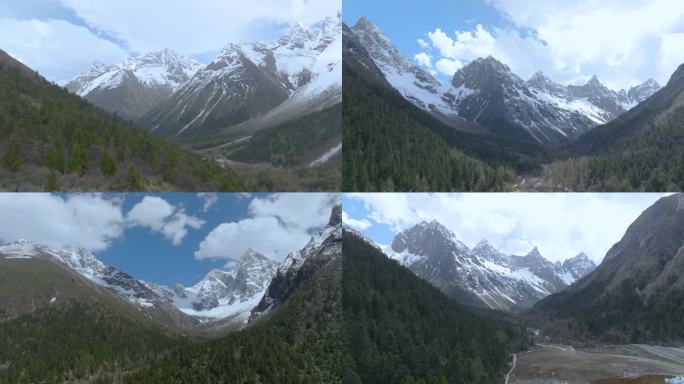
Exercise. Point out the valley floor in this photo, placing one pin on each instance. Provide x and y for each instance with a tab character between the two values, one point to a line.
559	364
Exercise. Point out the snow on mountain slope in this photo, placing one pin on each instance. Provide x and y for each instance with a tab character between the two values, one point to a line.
252	86
224	293
494	279
137	85
487	93
221	294
86	264
415	84
323	248
154	69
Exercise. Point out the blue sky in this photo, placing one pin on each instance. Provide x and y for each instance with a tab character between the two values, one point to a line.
560	225
167	238
570	41
61	38
404	22
148	255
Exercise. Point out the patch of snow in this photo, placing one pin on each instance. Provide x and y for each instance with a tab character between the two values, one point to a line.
326	156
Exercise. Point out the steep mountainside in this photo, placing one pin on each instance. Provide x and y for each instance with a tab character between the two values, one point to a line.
400	329
482	276
221	298
488	94
390	144
249	87
299	341
638	151
224	294
323	248
636	294
135	86
51	140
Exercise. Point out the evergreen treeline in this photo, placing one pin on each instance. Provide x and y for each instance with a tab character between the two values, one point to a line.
52	140
299	343
618	317
403	330
74	342
653	161
291	143
387	149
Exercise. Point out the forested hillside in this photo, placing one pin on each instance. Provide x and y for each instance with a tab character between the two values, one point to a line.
400	329
636	294
299	343
52	140
75	342
387	149
652	161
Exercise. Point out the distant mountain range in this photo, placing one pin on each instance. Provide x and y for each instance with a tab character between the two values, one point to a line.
223	298
482	276
488	94
246	89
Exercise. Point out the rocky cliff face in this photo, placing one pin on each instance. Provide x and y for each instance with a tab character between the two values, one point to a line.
324	248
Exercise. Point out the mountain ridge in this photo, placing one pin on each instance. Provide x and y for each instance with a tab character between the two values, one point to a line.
488	276
509	106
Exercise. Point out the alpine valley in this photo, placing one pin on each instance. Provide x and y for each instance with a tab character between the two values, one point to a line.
258	116
266	108
488	129
67	317
563	322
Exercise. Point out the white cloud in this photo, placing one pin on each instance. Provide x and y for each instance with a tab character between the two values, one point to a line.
561	225
278	224
263	234
448	67
161	216
210	199
358	224
195	26
572	40
423	59
88	221
55	48
423	44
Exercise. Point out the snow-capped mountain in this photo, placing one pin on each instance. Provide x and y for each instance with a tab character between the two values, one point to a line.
579	266
415	84
487	93
482	275
252	86
138	84
86	264
323	248
224	294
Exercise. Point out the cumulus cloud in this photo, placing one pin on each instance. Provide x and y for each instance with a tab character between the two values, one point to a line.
358	224
195	26
161	216
423	44
423	59
561	225
88	221
448	67
55	48
277	225
571	41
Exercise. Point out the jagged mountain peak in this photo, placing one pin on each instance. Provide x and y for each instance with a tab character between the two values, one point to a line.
594	82
535	253
324	248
